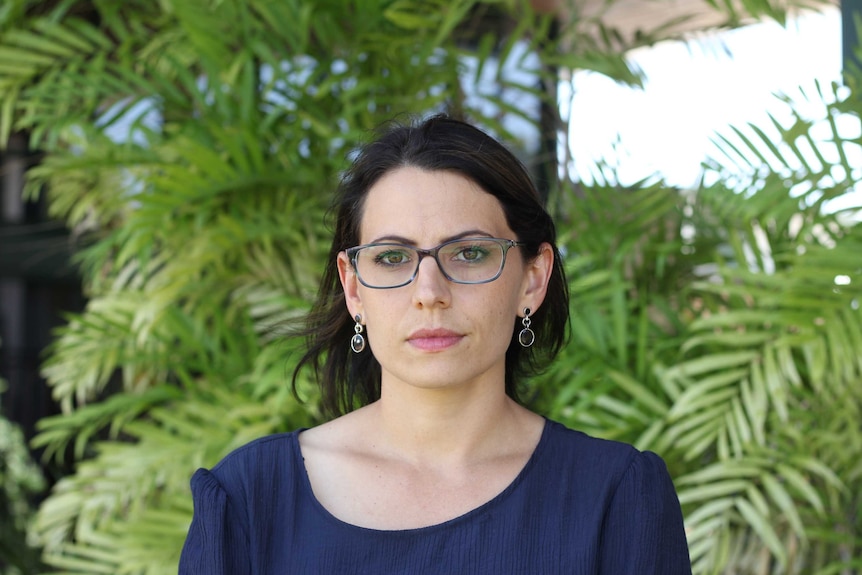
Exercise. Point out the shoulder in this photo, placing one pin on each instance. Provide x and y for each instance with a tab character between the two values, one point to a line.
243	495
588	450
597	464
254	467
608	483
624	500
259	451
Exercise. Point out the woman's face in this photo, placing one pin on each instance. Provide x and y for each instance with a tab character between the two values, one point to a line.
432	332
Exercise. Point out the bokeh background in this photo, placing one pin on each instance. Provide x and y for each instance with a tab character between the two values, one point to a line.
166	170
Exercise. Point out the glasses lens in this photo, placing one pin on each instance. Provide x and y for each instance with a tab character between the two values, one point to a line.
386	265
471	261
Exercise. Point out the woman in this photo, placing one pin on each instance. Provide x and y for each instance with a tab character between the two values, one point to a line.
445	289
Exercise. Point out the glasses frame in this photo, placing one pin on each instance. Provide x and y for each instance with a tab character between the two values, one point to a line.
505	244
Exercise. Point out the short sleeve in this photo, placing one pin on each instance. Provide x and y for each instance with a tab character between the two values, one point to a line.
643	532
216	543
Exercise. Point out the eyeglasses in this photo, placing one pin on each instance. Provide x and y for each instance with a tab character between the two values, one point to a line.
463	261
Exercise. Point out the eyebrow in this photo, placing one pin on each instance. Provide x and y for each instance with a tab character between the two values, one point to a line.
408	242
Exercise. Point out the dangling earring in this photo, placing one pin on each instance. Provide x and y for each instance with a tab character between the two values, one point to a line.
357	342
526	337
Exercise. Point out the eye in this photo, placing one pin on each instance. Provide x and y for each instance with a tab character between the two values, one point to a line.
470	254
392	257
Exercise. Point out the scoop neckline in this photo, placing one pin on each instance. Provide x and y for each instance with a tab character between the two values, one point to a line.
305	485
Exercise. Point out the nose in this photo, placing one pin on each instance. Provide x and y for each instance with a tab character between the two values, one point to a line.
430	287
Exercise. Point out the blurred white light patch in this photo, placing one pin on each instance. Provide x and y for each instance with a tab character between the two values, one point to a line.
693	91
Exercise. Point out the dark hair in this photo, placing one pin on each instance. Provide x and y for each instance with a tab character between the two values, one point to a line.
348	380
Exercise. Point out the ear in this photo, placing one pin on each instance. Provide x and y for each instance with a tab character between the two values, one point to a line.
350	285
537	274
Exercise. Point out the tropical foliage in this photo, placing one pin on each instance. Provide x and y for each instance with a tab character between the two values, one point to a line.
721	328
20	481
191	147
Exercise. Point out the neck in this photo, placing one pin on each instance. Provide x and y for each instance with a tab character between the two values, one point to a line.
445	426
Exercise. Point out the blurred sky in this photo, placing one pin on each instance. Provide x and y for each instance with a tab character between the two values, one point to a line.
694	90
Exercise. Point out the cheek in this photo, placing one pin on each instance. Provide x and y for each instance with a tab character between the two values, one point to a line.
496	313
503	329
381	317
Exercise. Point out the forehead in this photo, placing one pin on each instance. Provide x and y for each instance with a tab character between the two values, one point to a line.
428	207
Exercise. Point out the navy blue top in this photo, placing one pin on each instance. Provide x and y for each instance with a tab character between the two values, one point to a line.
580	506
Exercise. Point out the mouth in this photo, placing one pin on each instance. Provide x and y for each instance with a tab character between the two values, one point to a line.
434	339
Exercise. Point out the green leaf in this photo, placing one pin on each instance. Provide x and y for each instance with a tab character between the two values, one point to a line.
782	498
795	479
711	491
762	527
638	391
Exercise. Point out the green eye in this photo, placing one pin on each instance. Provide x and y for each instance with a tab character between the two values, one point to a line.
470	254
392	258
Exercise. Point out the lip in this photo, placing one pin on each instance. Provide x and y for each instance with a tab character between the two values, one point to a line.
436	339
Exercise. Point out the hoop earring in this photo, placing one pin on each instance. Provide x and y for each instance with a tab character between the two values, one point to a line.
357	342
526	337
